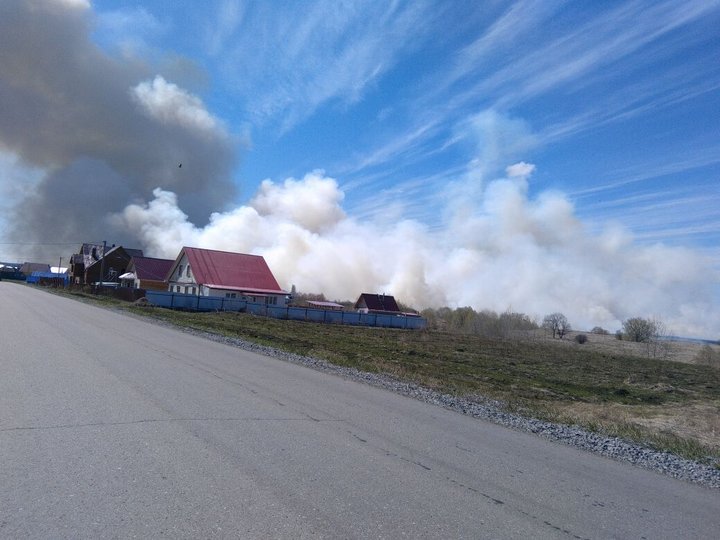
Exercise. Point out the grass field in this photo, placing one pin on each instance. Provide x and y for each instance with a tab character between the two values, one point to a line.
670	405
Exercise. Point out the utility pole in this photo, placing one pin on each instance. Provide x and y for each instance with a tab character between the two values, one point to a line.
102	265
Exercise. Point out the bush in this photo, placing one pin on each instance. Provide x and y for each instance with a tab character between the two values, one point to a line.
581	338
618	335
708	357
599	330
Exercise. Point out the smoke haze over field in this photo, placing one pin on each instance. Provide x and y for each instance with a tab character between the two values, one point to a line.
532	255
99	146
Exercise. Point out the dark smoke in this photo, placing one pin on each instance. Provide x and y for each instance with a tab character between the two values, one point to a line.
74	110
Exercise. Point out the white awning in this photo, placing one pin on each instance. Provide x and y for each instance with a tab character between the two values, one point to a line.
128	275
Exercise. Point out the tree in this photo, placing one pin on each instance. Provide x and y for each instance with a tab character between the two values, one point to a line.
599	330
557	323
638	329
652	332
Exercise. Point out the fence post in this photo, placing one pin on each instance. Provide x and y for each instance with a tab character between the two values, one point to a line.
172	300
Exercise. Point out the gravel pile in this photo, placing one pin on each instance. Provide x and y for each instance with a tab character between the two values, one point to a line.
479	407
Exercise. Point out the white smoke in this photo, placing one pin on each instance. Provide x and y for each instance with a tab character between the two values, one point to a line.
170	104
513	251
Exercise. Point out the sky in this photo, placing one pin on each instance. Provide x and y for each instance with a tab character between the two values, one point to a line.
536	156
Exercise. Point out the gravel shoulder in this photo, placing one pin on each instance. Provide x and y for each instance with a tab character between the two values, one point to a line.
494	411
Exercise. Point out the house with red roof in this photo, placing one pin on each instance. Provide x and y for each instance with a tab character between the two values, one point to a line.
208	272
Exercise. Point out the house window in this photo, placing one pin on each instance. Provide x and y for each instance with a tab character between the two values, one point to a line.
271	300
187	271
180	269
177	288
230	295
193	290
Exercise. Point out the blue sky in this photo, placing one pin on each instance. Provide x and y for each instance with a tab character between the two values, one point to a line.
616	103
532	155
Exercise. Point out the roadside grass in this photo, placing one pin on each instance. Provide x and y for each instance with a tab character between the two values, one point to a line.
556	382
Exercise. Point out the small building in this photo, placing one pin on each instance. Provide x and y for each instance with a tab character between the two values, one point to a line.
147	273
333	306
377	303
207	272
29	267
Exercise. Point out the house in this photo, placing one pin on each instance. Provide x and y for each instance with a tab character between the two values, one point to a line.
207	272
86	256
147	273
110	267
377	303
10	270
29	267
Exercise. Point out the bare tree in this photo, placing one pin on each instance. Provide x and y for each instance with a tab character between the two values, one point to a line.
557	323
652	332
638	329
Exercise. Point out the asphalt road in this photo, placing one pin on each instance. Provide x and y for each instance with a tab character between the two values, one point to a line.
111	427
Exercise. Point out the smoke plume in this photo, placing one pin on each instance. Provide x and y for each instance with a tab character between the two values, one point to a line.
513	252
96	146
105	130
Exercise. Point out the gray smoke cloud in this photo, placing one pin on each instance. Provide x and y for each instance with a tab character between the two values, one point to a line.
105	130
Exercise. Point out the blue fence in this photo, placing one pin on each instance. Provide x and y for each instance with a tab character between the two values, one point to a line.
190	302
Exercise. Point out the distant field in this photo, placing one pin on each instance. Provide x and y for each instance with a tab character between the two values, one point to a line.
605	384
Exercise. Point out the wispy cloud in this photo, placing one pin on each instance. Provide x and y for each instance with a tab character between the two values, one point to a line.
286	63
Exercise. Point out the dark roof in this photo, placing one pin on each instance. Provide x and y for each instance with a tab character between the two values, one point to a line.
150	268
88	254
124	253
223	269
30	267
377	302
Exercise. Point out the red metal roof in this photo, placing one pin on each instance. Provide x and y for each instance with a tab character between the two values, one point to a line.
151	268
231	270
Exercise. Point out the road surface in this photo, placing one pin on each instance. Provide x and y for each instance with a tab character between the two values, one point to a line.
112	427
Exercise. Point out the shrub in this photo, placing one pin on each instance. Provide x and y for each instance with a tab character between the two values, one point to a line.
581	338
618	335
708	357
599	330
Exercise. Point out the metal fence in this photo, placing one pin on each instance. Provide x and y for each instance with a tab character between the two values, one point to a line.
190	302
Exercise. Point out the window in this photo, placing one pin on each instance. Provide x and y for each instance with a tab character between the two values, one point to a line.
180	268
193	290
271	300
187	289
187	271
230	295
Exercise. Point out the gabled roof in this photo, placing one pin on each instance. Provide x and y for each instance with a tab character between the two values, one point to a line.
122	252
377	302
88	254
223	269
151	268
